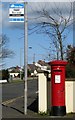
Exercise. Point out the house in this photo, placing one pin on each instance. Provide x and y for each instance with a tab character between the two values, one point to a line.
42	65
33	69
14	72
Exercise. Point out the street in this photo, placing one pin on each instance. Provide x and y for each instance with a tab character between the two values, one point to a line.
14	92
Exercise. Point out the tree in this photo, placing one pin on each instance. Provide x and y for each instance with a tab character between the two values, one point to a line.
70	71
53	23
4	51
71	54
70	68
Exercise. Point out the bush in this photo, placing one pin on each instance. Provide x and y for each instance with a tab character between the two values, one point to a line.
29	73
70	71
5	74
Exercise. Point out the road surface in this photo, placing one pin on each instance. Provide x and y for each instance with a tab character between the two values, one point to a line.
16	90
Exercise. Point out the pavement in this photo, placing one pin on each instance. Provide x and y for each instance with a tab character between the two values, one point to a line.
15	109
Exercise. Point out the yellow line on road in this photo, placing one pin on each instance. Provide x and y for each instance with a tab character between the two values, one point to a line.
11	100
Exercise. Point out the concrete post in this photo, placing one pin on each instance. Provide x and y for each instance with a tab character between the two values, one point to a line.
42	96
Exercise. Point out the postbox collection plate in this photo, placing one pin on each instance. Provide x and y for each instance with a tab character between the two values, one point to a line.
57	79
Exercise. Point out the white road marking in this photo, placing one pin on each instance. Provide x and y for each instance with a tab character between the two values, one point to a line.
11	100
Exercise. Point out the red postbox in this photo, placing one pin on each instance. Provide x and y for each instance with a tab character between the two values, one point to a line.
58	107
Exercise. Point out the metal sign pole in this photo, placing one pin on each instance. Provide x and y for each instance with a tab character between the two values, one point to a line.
21	16
25	57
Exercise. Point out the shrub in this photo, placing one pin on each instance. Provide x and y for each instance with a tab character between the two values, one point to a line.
70	71
5	74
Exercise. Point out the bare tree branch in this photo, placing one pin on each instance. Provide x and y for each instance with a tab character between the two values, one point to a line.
54	25
4	51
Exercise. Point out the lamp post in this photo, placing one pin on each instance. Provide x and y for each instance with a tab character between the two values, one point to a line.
21	63
33	61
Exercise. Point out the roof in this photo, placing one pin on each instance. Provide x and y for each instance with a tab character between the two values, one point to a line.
32	67
14	69
42	63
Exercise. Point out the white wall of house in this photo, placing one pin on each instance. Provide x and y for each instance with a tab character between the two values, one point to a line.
41	67
34	73
14	74
38	64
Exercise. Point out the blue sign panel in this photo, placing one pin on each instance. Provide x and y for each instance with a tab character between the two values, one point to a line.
16	6
16	13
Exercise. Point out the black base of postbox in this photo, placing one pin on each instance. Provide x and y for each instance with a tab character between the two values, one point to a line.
58	110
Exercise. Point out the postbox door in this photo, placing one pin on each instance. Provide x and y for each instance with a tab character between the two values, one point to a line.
58	88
